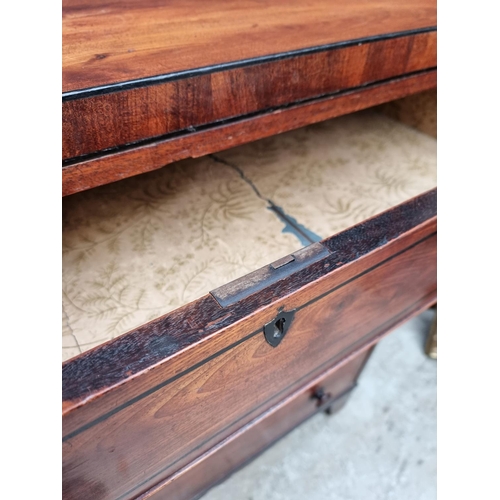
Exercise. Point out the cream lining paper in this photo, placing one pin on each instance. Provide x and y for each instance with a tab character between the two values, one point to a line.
139	248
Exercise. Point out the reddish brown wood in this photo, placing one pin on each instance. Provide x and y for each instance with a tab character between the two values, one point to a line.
97	123
121	40
88	377
242	446
178	396
382	273
112	167
149	440
147	75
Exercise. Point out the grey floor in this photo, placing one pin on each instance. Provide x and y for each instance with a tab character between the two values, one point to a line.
380	446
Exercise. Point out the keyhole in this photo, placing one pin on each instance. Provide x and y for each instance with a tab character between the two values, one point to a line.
275	330
278	328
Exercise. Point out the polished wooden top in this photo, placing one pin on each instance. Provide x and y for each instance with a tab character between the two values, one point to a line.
107	42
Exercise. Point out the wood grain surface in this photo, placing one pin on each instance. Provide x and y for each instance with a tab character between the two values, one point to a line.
128	411
161	340
115	166
147	441
242	446
122	40
100	122
136	74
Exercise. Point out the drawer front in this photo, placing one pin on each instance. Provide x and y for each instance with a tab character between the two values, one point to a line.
97	170
97	122
259	434
124	437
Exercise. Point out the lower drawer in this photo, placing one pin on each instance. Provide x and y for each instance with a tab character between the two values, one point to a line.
327	392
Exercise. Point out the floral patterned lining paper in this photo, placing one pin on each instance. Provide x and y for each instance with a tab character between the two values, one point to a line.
137	249
334	174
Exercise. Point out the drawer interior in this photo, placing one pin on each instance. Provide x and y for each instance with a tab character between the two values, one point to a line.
139	248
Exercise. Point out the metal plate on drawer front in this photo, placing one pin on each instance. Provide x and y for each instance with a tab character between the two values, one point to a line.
241	288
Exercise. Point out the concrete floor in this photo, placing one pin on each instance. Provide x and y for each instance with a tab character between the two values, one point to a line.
380	446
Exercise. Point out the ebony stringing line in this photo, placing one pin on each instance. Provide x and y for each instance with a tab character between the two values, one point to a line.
215	68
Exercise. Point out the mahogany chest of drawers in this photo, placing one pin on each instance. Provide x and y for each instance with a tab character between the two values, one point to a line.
235	279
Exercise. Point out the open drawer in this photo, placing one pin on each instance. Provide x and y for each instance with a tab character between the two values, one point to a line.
199	297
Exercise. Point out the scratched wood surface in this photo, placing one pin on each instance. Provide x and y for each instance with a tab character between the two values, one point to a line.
128	421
